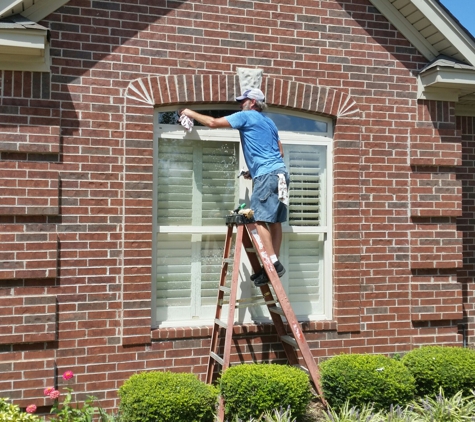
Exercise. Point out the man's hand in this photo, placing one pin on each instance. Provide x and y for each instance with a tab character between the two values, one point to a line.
186	112
205	120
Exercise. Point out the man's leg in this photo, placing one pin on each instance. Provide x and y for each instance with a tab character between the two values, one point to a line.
276	235
272	246
266	237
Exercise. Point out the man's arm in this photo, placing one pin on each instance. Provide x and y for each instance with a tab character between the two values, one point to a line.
206	120
281	149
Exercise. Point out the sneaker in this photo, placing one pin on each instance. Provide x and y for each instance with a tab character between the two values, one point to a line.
262	278
258	274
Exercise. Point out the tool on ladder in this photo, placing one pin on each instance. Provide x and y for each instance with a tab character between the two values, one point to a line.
279	307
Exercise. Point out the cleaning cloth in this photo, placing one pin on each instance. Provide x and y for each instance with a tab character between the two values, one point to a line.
186	122
283	190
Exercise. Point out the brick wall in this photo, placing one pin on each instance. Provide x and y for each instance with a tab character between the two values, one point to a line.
466	224
76	184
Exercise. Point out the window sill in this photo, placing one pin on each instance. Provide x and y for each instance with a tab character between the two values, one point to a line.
170	333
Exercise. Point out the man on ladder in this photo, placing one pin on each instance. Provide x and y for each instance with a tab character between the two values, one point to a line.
264	158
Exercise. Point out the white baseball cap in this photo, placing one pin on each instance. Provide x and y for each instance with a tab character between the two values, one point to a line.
252	94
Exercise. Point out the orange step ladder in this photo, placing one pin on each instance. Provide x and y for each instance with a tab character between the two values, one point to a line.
295	346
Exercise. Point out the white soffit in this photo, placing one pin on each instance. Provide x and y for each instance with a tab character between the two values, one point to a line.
430	28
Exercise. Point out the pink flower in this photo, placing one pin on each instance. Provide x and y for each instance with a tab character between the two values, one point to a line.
54	394
48	391
68	375
31	408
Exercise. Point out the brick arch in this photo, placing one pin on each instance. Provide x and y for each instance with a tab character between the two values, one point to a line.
143	94
179	89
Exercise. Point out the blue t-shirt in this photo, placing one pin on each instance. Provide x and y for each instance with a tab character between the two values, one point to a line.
260	141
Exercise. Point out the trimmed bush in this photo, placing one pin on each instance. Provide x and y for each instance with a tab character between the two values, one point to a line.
167	397
435	367
11	412
249	390
366	379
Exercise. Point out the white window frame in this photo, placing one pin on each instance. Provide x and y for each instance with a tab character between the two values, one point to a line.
287	138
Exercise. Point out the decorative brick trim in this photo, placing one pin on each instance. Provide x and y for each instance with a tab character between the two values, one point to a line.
38	372
435	193
33	118
27	255
27	319
435	244
436	301
434	140
28	189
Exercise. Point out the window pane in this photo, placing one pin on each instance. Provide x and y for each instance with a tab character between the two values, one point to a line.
197	181
211	260
188	271
285	122
173	270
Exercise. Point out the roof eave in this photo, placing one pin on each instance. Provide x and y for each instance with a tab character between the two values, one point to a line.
41	9
440	18
446	84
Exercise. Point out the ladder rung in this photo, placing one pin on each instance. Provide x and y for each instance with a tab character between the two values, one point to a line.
250	250
303	368
225	289
276	310
228	260
220	323
290	340
245	303
217	358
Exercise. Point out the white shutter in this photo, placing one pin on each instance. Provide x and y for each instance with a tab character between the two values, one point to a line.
306	163
305	273
174	258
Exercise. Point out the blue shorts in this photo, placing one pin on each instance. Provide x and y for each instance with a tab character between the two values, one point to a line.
265	198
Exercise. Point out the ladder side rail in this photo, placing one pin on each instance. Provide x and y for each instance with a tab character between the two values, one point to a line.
219	300
233	298
231	314
292	321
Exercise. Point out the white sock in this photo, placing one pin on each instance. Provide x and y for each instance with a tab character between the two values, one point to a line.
274	258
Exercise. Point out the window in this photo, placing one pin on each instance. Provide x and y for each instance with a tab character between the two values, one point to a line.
196	187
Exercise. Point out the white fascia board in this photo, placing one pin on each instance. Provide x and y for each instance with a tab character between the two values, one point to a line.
445	84
25	63
447	26
24	50
448	77
402	25
31	42
42	8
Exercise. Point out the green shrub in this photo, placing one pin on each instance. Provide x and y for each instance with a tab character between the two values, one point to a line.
167	397
11	412
249	390
359	380
449	368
